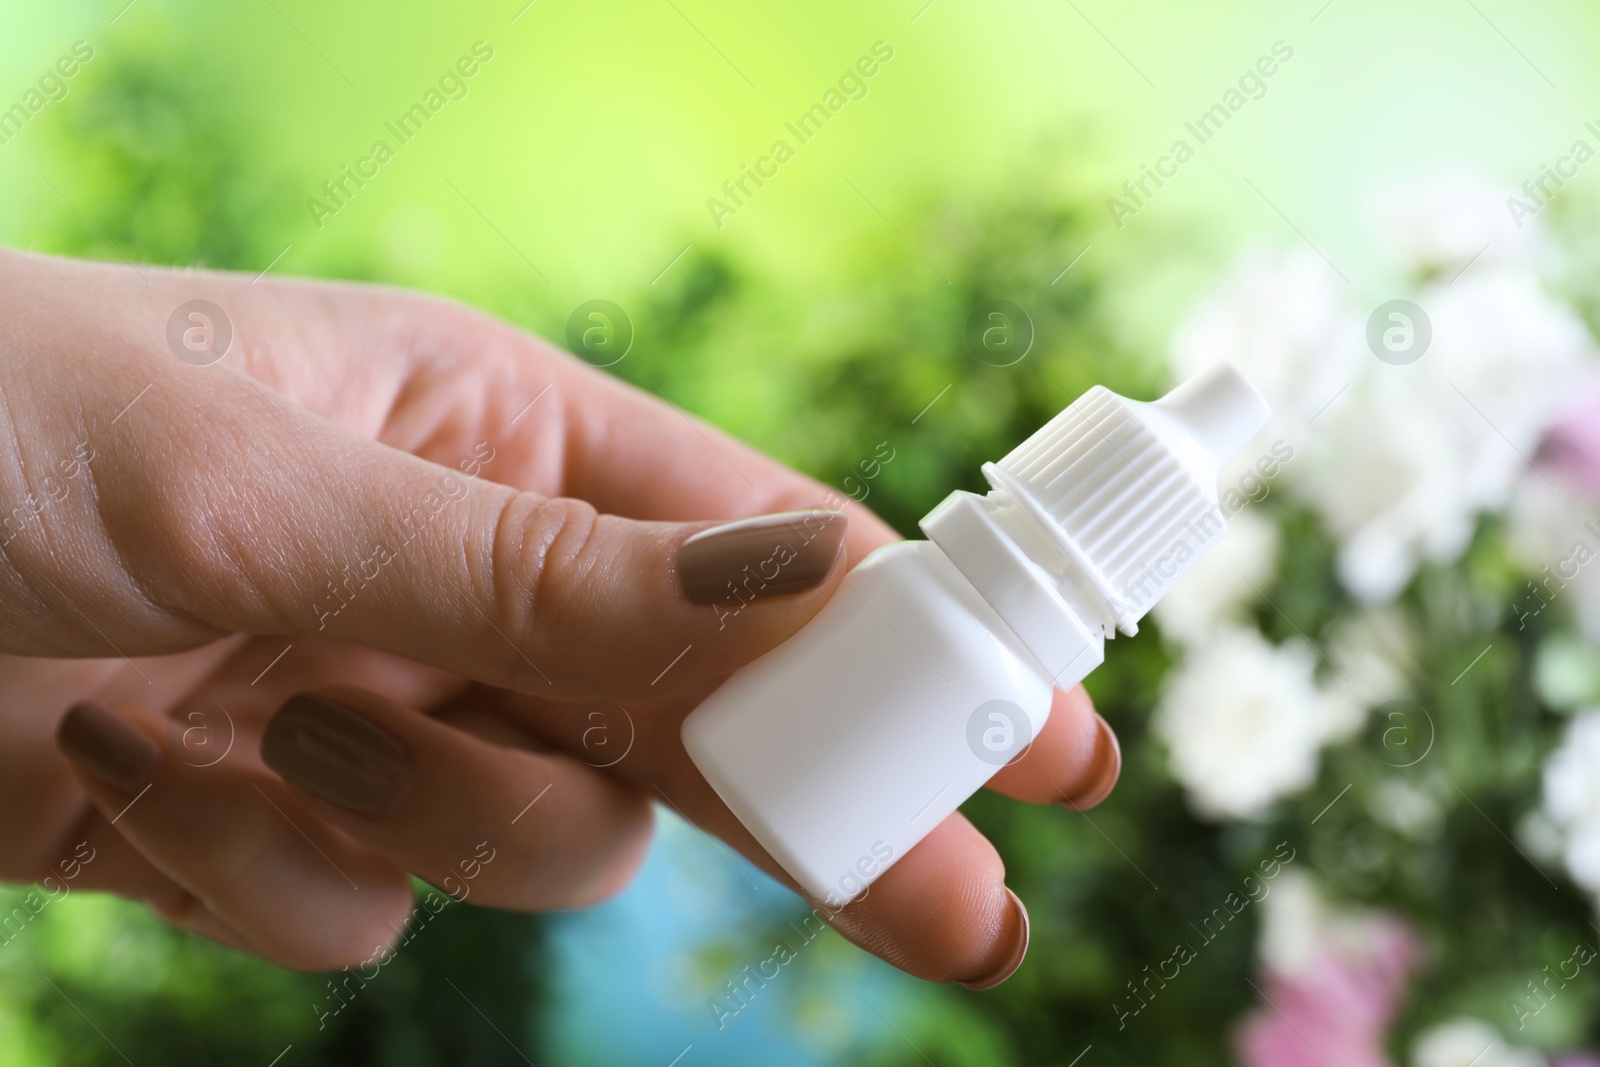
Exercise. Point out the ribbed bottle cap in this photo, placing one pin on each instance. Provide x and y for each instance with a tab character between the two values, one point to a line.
1128	490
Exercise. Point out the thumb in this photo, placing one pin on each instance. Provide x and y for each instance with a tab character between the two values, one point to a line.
512	589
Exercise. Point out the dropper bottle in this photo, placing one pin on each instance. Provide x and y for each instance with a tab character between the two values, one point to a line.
934	664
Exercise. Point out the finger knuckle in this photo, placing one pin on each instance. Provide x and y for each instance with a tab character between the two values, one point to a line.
206	547
545	553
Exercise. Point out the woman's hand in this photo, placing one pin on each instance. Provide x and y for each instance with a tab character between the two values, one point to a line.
449	553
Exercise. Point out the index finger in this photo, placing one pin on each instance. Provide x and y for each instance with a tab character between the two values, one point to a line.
563	428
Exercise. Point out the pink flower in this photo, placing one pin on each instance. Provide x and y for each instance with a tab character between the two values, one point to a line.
1572	447
1334	1010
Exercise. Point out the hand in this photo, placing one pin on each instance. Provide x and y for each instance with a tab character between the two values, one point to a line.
441	515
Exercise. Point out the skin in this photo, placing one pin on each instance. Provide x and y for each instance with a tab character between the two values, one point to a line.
163	577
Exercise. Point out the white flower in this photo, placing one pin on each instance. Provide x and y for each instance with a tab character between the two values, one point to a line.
1281	319
1243	721
1293	917
1374	653
1400	461
1413	810
1516	357
1540	837
1572	798
1300	929
1401	467
1442	222
1469	1042
1222	582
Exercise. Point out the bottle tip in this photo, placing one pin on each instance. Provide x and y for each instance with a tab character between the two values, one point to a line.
1219	408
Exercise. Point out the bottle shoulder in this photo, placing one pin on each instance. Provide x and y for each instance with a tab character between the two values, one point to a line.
915	586
921	571
913	557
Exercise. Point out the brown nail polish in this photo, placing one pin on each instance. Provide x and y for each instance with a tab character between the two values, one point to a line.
1104	768
1012	960
108	747
341	756
769	555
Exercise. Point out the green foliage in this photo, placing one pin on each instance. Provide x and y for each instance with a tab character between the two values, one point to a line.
886	354
159	168
89	966
883	355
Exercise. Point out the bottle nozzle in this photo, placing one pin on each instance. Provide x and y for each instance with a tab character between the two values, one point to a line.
1127	490
1219	409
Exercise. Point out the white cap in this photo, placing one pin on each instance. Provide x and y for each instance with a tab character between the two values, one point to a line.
1128	490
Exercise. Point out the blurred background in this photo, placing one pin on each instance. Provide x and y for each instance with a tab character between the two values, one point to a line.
1359	819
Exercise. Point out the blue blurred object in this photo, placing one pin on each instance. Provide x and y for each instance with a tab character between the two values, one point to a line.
634	978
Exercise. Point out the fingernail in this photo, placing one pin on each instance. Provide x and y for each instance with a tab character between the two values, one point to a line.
1104	767
769	555
1018	925
337	754
108	747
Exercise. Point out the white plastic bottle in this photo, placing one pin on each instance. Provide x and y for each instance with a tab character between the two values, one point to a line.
934	664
